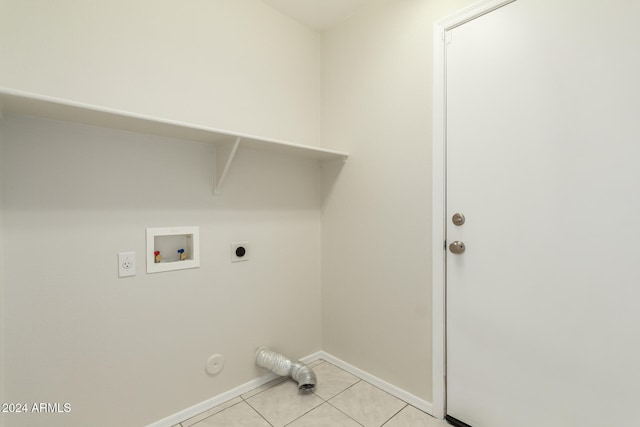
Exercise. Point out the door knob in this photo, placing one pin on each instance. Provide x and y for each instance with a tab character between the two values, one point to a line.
457	247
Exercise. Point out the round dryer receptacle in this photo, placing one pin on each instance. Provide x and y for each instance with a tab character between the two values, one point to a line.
215	364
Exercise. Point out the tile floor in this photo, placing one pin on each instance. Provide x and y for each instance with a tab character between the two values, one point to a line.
340	400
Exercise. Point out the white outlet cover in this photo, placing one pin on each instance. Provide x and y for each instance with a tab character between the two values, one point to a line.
215	364
126	264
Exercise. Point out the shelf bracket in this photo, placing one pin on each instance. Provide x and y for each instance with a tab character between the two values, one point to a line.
223	157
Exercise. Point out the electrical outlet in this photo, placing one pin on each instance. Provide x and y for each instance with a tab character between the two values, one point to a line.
239	252
126	264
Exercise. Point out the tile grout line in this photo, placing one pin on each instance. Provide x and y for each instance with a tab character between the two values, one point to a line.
328	401
257	412
342	412
406	404
302	415
351	386
392	416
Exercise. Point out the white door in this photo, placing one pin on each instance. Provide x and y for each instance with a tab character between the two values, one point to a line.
543	161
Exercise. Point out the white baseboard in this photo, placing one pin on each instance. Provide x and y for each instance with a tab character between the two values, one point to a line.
198	408
401	394
201	407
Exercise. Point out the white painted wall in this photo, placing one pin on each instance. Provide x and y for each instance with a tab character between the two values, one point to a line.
229	64
376	235
132	351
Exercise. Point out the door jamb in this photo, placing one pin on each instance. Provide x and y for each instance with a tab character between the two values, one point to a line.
439	222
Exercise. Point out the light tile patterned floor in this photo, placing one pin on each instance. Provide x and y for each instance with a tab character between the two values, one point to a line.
339	400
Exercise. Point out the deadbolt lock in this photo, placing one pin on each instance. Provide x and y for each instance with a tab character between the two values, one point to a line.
457	247
458	219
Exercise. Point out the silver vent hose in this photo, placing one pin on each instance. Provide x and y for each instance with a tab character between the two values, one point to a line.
283	366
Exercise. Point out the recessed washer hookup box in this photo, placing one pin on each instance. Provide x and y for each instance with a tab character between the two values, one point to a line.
172	248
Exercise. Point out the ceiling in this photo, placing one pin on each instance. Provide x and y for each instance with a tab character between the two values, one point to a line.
318	14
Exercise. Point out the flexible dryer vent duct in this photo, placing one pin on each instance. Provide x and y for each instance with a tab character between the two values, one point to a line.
279	364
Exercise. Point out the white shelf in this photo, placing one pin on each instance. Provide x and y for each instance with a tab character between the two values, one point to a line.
226	143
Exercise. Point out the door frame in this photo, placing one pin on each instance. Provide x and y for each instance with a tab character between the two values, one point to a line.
439	213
